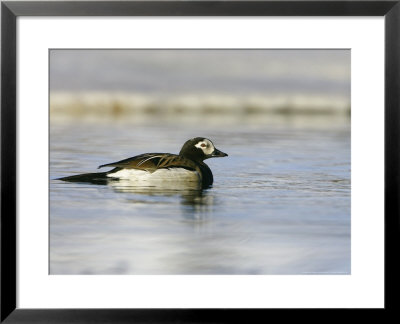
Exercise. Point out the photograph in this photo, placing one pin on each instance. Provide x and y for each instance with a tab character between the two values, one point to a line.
199	161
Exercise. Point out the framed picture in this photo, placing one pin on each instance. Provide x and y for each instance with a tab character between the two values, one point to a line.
298	99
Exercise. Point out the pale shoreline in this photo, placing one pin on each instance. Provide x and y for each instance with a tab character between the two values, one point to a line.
125	104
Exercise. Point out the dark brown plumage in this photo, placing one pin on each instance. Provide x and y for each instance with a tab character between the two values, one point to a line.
153	161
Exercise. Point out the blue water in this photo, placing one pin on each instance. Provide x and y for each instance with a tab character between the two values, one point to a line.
280	203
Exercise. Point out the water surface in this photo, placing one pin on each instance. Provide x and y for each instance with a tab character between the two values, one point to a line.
280	203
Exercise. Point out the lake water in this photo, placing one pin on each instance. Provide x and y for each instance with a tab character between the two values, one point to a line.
280	203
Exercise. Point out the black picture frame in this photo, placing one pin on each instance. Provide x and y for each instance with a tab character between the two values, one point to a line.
10	10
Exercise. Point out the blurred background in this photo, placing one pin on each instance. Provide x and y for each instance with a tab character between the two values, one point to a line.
280	203
199	81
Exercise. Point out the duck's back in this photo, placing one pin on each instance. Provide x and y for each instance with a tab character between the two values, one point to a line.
154	161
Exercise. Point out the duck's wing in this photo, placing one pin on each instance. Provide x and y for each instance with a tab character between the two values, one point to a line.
153	161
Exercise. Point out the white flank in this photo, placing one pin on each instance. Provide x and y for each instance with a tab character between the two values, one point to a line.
141	177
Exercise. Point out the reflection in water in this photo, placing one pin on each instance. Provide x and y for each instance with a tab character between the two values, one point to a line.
198	207
196	202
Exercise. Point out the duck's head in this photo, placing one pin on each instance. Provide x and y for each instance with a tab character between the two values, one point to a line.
199	149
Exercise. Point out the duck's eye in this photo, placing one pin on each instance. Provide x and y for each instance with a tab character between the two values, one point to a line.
203	145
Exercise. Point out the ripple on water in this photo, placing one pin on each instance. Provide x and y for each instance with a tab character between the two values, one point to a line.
280	203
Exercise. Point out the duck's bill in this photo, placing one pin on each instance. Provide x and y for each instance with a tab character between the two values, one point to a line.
218	153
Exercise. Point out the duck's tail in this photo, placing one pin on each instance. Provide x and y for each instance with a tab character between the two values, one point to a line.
96	178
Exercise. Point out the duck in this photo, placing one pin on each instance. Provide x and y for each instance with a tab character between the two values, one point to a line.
155	168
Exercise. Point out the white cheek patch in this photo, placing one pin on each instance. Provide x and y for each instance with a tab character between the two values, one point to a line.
206	146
